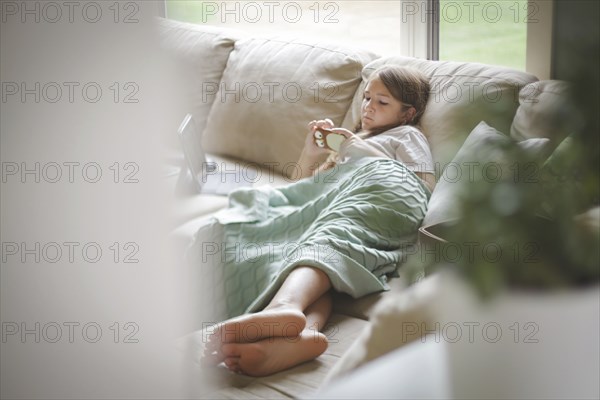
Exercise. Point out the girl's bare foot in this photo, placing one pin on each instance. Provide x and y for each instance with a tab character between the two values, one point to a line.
274	354
248	328
272	322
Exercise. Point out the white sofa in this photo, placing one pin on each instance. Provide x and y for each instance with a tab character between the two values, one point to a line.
252	97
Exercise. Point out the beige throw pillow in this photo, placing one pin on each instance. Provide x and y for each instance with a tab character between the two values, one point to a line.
545	111
271	89
201	53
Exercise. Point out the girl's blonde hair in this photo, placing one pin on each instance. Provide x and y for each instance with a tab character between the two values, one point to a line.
407	85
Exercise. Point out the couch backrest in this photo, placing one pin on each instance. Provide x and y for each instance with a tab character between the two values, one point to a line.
253	97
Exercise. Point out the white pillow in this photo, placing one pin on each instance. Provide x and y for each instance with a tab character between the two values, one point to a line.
484	157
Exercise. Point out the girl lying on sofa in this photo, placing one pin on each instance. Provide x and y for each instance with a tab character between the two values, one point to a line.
343	227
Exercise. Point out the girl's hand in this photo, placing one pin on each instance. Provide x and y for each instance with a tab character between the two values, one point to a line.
322	123
354	146
310	147
313	156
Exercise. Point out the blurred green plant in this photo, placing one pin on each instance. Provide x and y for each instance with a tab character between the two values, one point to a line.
523	231
526	231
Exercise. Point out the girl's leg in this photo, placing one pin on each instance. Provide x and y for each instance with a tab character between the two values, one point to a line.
303	286
317	314
275	354
283	316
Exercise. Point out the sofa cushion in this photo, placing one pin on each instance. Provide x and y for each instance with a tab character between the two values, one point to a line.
190	210
462	95
485	156
201	53
271	89
545	111
397	320
363	307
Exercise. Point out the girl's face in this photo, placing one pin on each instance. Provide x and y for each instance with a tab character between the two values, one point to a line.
380	108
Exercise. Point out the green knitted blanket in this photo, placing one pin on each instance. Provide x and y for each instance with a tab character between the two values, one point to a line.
353	222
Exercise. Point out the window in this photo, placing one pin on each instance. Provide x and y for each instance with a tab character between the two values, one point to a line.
512	33
490	32
372	25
